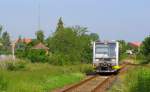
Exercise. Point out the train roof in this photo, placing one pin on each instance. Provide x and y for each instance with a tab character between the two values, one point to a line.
106	41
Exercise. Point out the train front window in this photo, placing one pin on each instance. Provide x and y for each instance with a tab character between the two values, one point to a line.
100	50
106	49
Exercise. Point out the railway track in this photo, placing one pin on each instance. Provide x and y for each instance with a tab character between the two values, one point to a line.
87	85
95	83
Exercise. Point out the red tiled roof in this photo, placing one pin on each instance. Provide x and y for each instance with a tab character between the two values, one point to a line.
135	44
40	46
26	40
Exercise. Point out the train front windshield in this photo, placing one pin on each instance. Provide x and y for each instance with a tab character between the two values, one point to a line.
106	49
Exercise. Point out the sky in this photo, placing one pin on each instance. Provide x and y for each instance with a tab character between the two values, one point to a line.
112	19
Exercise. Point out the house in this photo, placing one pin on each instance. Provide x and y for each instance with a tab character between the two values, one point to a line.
135	47
41	46
25	40
135	44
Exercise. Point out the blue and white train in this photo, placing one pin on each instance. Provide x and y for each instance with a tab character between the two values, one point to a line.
106	56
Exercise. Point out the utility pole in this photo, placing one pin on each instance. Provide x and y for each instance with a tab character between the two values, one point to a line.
13	50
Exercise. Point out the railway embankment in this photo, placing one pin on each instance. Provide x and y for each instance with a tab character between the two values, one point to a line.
136	79
128	79
24	76
94	83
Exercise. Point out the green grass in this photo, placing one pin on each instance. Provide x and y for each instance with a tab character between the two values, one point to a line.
39	77
135	80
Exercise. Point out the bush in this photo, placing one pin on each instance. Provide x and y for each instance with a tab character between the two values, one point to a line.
86	68
139	80
20	53
37	55
145	49
13	65
146	60
58	59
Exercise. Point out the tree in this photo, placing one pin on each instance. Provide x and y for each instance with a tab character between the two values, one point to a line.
1	28
79	30
146	49
40	36
64	47
6	40
94	36
122	46
72	45
1	35
60	25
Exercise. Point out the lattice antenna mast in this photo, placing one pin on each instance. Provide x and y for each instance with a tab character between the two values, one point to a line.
39	16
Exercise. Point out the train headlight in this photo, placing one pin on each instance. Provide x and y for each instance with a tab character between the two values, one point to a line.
113	59
97	60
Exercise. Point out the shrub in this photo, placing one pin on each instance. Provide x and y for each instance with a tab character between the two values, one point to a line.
58	59
37	56
145	49
13	65
139	80
20	53
86	68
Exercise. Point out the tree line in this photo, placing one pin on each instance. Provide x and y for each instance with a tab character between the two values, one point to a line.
67	45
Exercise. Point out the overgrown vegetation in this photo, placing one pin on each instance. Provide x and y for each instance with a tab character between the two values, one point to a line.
135	80
18	76
13	65
4	41
71	49
145	49
67	45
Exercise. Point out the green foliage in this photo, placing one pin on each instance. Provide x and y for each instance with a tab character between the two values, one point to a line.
20	53
94	36
63	41
36	55
3	83
66	45
60	25
139	80
122	49
1	28
80	31
13	65
40	36
33	43
4	41
122	46
21	49
59	59
41	77
70	46
145	49
135	80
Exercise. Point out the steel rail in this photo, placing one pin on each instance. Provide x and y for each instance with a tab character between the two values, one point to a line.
79	84
102	86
